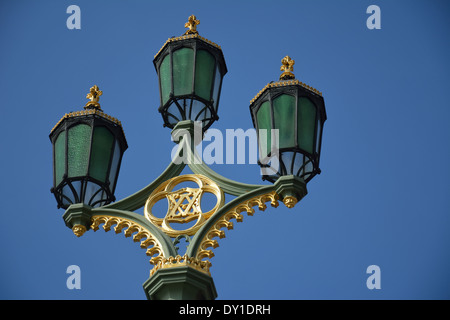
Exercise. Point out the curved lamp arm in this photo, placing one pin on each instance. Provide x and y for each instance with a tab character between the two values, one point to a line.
137	200
157	243
80	217
229	186
289	188
203	239
188	134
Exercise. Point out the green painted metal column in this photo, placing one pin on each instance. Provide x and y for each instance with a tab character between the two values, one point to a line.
180	283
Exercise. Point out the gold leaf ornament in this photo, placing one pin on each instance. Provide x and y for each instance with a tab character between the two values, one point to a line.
184	205
192	25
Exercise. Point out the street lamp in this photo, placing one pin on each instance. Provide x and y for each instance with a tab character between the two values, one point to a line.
297	111
88	148
190	70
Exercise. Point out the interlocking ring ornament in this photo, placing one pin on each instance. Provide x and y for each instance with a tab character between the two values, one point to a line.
184	204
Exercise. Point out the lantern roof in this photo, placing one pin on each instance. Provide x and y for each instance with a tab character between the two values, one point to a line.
192	33
91	108
287	78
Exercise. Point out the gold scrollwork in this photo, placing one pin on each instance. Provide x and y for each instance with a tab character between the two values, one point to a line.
141	234
224	222
184	204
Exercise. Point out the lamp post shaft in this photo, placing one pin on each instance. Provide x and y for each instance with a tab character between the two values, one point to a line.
180	283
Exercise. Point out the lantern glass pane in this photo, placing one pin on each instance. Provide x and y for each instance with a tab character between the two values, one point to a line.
298	164
101	153
264	121
308	170
204	72
101	196
306	118
114	166
77	186
171	120
309	167
197	111
91	190
207	113
287	158
217	84
165	78
79	142
284	116
186	106
319	132
183	66
67	196
174	111
60	157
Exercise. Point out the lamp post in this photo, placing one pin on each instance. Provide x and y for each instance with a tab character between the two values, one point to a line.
88	148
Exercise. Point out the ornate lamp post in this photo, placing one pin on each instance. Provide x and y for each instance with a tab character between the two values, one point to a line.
88	148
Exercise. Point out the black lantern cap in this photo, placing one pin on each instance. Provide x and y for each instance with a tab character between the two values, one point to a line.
190	69
87	152
297	113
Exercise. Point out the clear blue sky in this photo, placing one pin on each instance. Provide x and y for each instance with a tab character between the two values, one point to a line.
382	198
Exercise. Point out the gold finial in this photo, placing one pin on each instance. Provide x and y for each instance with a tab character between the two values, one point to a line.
192	25
79	230
94	94
290	201
287	67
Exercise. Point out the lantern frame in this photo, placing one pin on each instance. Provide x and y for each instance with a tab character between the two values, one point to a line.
196	43
94	118
298	90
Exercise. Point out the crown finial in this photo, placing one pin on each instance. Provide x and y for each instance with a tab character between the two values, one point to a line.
287	66
94	95
192	25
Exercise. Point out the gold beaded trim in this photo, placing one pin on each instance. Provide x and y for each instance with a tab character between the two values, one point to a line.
88	112
182	261
285	83
188	36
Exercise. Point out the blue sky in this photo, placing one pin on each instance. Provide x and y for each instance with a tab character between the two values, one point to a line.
383	195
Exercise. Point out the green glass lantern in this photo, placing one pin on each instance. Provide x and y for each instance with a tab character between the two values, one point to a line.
190	69
297	113
87	151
